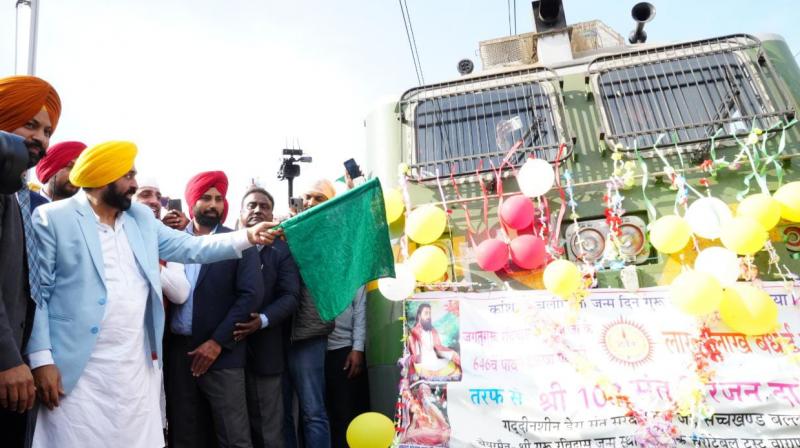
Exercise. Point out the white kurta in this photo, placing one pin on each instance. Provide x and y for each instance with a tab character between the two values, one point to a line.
116	399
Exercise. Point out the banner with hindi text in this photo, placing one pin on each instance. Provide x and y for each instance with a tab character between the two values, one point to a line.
520	369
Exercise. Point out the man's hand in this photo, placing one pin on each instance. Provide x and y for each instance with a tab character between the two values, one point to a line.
263	233
354	364
245	329
16	389
204	356
48	385
175	219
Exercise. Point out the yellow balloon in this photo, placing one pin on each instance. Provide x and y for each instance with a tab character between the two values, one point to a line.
748	310
562	278
670	234
429	263
370	430
426	224
393	200
789	198
696	293
761	207
744	235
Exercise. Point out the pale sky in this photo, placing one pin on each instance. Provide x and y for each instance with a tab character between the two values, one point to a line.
225	84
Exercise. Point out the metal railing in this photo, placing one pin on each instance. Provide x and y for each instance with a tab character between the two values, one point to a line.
688	91
452	126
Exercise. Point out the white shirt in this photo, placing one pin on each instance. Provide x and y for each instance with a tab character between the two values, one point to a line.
174	283
116	399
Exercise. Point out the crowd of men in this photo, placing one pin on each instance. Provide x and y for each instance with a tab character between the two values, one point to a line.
121	323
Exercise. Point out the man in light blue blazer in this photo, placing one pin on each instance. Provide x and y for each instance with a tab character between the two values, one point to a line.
95	348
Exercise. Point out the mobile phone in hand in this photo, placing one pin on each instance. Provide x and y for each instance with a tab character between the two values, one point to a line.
353	169
174	204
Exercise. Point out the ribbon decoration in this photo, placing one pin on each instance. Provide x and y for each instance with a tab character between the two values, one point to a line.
403	181
651	209
759	158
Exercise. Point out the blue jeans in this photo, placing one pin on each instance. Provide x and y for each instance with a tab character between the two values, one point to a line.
306	378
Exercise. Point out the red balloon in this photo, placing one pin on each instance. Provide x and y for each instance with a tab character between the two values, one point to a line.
492	254
528	251
517	212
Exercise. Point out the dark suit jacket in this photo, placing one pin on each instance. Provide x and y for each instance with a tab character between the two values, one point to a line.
16	306
226	293
37	200
281	291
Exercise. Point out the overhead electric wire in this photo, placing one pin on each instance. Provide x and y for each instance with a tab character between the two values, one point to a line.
412	41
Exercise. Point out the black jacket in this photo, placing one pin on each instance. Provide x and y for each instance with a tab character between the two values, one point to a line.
281	290
16	306
226	292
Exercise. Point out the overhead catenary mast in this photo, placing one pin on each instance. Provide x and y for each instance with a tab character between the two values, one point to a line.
26	37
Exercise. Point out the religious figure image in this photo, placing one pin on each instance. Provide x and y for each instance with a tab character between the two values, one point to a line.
425	415
433	344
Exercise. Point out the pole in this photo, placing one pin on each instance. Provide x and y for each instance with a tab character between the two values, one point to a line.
34	37
27	32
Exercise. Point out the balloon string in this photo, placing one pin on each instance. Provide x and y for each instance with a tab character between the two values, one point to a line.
553	244
499	182
485	198
448	214
470	229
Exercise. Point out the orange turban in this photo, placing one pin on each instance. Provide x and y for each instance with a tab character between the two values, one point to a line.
57	157
22	97
103	164
199	184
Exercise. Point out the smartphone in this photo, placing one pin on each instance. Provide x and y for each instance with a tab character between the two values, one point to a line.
296	204
352	169
174	204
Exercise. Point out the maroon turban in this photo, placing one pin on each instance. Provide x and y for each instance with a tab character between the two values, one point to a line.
57	157
203	182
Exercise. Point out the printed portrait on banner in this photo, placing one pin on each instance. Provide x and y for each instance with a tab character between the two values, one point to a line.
433	340
425	419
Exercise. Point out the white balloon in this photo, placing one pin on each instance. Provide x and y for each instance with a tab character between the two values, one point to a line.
399	287
720	262
535	178
706	216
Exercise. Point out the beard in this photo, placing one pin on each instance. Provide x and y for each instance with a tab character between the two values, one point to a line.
35	152
63	189
117	199
209	218
426	325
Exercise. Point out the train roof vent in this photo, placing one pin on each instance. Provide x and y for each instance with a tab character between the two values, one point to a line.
509	51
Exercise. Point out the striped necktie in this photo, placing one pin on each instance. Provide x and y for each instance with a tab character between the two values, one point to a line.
24	199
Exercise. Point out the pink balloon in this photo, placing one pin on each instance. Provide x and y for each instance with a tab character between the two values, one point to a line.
517	212
528	251
492	254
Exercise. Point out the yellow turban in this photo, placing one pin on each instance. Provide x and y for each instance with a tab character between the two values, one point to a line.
103	164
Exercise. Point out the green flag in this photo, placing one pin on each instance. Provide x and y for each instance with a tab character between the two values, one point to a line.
340	245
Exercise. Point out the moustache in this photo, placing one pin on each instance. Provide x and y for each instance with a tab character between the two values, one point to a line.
211	212
34	144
